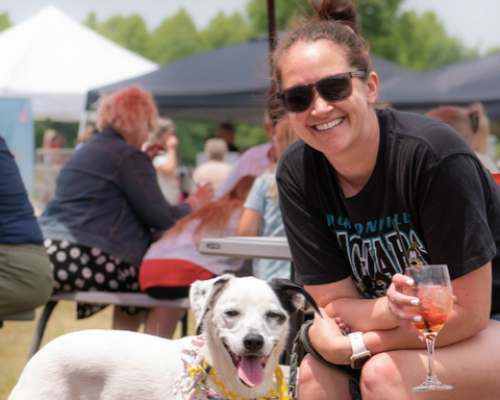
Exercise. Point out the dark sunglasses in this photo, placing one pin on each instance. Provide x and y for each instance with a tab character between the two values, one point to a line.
332	88
474	119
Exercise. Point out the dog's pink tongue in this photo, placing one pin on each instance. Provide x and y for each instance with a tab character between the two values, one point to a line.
250	370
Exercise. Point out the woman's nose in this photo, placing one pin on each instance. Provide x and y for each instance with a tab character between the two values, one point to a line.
320	105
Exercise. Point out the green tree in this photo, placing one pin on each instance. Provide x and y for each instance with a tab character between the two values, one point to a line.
421	43
285	12
5	21
192	136
492	50
130	32
175	38
91	21
224	31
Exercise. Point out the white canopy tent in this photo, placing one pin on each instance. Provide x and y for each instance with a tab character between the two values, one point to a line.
55	60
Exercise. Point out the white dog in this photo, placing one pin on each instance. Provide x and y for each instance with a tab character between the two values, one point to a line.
245	327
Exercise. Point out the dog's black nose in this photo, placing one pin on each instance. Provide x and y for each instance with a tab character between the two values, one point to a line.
253	342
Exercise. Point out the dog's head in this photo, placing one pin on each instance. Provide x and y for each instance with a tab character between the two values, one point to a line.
247	319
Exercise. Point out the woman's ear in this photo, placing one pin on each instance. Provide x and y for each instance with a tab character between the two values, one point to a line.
372	87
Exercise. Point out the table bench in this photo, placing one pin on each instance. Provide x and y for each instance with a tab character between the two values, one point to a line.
109	298
25	316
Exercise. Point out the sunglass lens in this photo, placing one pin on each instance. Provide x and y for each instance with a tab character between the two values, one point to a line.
297	99
335	88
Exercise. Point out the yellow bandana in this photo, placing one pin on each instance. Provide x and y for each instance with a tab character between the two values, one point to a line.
278	393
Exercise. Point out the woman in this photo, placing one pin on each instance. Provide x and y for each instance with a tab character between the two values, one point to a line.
108	204
166	163
25	275
261	214
173	263
356	170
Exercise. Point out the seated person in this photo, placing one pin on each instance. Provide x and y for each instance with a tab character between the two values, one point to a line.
473	125
261	214
173	262
215	170
108	205
25	274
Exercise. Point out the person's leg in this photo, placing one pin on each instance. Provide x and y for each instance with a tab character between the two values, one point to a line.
470	366
125	322
25	278
319	382
162	321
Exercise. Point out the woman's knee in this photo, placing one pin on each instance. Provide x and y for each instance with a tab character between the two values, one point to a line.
317	381
379	377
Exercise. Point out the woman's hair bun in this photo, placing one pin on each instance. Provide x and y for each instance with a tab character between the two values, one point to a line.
343	11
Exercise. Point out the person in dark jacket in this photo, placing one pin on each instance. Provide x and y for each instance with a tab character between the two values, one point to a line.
25	275
107	206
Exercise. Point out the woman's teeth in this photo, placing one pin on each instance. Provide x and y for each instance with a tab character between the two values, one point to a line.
329	125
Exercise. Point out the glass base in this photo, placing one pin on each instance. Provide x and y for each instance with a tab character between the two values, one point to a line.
431	384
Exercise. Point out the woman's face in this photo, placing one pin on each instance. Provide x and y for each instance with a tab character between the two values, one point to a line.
332	128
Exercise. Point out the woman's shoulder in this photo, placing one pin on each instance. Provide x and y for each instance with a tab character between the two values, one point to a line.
417	132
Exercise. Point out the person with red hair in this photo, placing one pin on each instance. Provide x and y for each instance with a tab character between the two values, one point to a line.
107	206
173	263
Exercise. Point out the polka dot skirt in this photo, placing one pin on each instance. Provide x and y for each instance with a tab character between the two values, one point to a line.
78	267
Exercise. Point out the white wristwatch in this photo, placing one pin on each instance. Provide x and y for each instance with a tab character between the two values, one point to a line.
359	353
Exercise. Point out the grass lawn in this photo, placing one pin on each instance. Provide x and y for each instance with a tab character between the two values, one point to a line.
15	338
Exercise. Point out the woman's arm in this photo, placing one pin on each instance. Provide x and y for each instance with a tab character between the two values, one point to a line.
470	315
249	223
341	300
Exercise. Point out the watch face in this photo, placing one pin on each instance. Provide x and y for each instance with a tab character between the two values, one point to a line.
359	362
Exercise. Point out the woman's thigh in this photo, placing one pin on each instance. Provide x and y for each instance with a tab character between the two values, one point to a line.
471	366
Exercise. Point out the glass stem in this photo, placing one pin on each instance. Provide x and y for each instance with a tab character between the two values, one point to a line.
430	340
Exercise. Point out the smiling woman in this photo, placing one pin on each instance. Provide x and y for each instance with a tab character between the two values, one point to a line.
359	166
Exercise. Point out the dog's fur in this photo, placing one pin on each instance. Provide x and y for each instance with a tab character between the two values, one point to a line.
111	365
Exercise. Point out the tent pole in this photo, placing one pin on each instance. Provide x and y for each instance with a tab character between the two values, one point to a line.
271	23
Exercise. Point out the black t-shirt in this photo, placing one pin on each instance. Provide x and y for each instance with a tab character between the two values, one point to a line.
426	178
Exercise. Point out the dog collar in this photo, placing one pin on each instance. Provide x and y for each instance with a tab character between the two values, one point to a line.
279	392
192	381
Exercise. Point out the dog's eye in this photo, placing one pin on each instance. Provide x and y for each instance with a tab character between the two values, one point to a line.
231	313
273	314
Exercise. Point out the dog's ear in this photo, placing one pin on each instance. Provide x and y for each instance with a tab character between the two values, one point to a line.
202	293
292	296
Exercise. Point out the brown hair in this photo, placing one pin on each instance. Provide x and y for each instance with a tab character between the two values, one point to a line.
461	120
285	135
124	109
213	217
335	21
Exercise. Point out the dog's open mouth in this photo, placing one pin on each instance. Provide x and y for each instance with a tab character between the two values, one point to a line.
250	367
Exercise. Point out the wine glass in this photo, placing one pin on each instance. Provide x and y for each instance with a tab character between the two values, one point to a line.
433	289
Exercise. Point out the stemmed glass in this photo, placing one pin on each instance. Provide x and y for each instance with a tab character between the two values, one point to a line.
433	289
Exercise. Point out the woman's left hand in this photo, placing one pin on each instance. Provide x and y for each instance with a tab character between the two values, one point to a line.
153	149
397	300
328	340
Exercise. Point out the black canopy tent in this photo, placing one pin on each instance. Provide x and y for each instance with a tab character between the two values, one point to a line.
459	84
224	85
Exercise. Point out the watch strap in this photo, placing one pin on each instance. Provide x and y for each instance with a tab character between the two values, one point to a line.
357	343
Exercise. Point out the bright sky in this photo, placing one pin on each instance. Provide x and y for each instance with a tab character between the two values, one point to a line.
475	23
